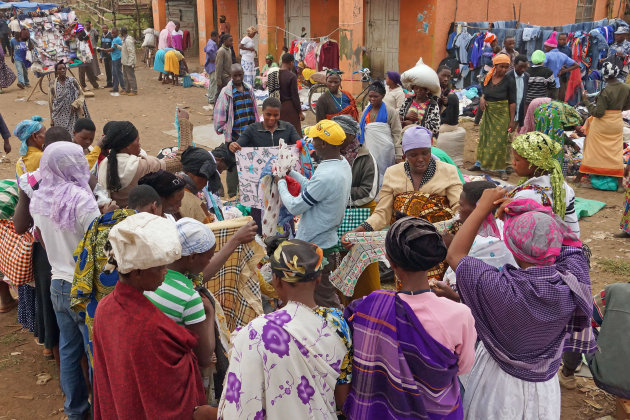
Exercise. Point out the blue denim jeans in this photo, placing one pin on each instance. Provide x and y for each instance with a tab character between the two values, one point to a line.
117	75
71	351
22	72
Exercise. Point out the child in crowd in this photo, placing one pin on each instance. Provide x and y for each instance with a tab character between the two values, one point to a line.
83	135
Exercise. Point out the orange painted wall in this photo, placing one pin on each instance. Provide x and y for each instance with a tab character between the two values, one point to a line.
325	18
159	14
417	33
229	8
205	26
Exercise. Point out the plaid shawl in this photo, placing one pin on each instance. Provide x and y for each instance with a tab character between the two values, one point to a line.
399	370
236	285
524	317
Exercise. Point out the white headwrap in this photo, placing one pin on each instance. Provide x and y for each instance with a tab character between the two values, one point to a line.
195	237
144	241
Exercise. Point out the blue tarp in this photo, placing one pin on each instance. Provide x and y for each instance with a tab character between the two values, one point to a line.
28	6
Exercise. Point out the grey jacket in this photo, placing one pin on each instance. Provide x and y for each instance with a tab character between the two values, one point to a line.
364	178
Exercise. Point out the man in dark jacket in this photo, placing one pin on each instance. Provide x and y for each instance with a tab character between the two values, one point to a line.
521	79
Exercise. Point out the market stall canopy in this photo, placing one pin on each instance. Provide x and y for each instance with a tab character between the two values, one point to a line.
28	6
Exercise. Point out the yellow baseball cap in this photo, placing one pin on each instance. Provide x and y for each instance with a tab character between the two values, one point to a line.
327	130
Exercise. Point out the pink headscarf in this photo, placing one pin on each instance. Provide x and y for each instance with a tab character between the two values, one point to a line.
534	234
165	38
552	41
64	192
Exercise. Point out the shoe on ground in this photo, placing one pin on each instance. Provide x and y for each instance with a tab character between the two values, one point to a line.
474	168
109	86
122	92
20	85
622	235
114	90
132	94
115	94
567	382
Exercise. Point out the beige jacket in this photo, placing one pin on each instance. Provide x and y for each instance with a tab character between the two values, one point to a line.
445	183
128	51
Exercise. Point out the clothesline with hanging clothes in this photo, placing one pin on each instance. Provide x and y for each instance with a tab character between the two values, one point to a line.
310	38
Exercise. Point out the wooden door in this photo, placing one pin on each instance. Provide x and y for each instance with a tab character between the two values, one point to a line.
247	17
297	16
382	32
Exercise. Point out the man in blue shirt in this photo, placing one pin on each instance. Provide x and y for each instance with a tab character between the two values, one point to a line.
20	46
566	50
116	54
322	202
558	62
211	56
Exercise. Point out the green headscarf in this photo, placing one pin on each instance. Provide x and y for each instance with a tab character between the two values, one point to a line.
538	57
540	150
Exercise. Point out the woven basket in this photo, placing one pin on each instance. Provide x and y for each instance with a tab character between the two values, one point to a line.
185	140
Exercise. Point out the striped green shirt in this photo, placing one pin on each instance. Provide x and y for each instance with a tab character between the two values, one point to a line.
178	300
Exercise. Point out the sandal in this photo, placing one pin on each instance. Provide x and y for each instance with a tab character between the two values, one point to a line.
474	168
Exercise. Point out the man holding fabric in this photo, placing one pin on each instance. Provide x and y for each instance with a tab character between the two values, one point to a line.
558	62
322	202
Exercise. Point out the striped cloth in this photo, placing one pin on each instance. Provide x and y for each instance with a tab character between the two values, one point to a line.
8	198
399	370
524	317
178	300
243	107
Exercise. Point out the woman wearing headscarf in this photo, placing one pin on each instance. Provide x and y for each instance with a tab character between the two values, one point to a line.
171	190
362	192
422	108
303	348
530	121
126	162
125	373
395	96
534	159
247	51
380	130
409	346
498	103
165	40
421	186
335	101
65	100
63	207
547	296
31	135
603	146
202	180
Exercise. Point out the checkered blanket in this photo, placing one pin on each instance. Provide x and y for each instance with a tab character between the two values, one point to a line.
236	284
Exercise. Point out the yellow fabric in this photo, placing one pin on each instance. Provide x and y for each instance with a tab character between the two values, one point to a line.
307	73
445	183
171	62
30	160
603	147
92	156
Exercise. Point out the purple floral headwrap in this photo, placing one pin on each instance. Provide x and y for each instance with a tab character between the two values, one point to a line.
64	192
534	234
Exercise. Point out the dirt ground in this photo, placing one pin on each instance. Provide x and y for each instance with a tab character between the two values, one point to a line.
152	111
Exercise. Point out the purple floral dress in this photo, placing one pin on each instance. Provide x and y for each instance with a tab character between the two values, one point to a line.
286	365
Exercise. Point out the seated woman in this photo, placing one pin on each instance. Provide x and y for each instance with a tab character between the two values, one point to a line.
31	133
174	66
421	109
202	179
534	159
363	191
410	346
420	187
380	130
295	362
135	345
488	245
336	101
125	163
171	190
547	296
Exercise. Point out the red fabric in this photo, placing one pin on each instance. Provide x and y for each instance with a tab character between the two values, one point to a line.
575	78
293	186
328	56
144	365
186	40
